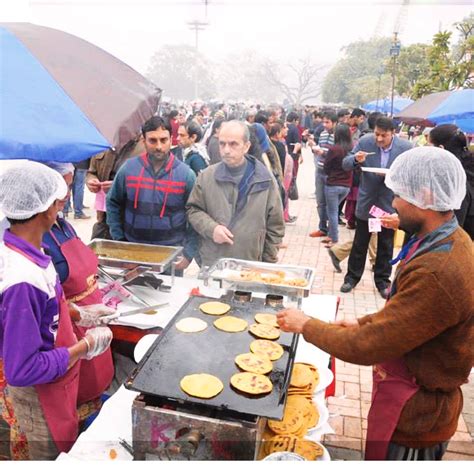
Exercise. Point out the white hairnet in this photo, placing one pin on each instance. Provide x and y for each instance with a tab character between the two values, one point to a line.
429	178
61	168
29	188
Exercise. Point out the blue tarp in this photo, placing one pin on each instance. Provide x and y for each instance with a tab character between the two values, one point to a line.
457	108
38	120
384	105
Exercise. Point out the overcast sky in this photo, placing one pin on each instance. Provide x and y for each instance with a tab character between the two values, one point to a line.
133	30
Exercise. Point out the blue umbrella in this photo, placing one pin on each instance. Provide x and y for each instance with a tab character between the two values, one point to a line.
455	107
64	99
384	105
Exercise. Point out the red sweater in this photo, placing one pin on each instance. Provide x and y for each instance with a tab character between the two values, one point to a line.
336	176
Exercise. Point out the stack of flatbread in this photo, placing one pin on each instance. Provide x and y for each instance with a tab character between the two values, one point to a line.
300	415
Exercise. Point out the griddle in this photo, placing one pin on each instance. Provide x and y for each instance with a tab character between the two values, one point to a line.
176	354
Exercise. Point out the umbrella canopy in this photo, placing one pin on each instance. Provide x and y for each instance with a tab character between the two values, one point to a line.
455	107
385	105
64	99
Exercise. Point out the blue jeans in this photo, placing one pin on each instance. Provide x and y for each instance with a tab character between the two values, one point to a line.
78	184
321	200
334	196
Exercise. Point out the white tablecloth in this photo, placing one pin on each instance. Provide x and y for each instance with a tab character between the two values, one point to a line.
115	418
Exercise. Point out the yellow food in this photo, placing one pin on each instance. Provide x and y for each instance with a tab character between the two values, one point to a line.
201	385
253	384
291	423
271	349
301	376
231	324
267	318
264	331
214	308
308	449
255	363
191	325
272	278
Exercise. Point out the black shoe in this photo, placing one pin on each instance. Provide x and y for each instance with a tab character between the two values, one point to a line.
384	292
341	222
347	287
335	261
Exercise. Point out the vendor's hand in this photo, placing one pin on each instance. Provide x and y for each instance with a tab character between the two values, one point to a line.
222	235
390	222
351	323
360	156
91	315
98	340
292	320
106	185
93	185
182	263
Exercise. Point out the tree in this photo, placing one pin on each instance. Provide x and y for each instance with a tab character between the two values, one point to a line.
173	67
249	83
412	65
449	68
299	82
348	79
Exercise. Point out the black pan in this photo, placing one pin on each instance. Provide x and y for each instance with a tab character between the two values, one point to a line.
176	354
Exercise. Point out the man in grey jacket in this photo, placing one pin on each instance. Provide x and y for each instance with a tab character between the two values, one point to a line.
235	205
375	150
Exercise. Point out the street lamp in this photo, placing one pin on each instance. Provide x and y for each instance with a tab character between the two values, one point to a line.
394	53
380	71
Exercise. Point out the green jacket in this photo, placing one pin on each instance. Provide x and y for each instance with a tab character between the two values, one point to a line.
258	228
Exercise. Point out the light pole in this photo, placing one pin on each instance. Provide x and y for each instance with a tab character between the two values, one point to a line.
197	26
380	72
394	53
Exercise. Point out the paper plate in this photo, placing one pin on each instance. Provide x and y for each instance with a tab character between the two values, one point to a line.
143	345
323	416
383	171
325	456
325	379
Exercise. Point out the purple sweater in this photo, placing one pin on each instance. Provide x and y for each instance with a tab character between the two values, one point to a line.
29	315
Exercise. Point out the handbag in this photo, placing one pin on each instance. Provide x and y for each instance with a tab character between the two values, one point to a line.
293	190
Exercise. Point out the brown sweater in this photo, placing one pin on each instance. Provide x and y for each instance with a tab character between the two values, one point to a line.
428	322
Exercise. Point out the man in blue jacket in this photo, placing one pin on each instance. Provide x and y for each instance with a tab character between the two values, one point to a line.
147	200
375	150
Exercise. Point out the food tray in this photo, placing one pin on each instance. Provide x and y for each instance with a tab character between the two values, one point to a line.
229	270
128	255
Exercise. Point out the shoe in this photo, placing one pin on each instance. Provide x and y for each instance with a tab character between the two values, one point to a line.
327	240
341	222
335	261
318	233
346	287
350	226
384	292
82	216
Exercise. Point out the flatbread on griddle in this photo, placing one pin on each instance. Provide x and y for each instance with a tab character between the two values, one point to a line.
231	324
267	318
264	331
201	385
253	384
271	349
214	308
191	325
255	363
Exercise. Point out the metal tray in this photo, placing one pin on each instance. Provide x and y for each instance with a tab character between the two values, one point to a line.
113	253
175	354
228	270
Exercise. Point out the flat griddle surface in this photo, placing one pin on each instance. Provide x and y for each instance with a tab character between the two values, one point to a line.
176	354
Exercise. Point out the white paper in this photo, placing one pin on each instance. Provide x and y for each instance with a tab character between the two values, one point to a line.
375	225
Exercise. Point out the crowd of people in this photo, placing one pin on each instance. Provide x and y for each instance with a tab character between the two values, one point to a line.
217	181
